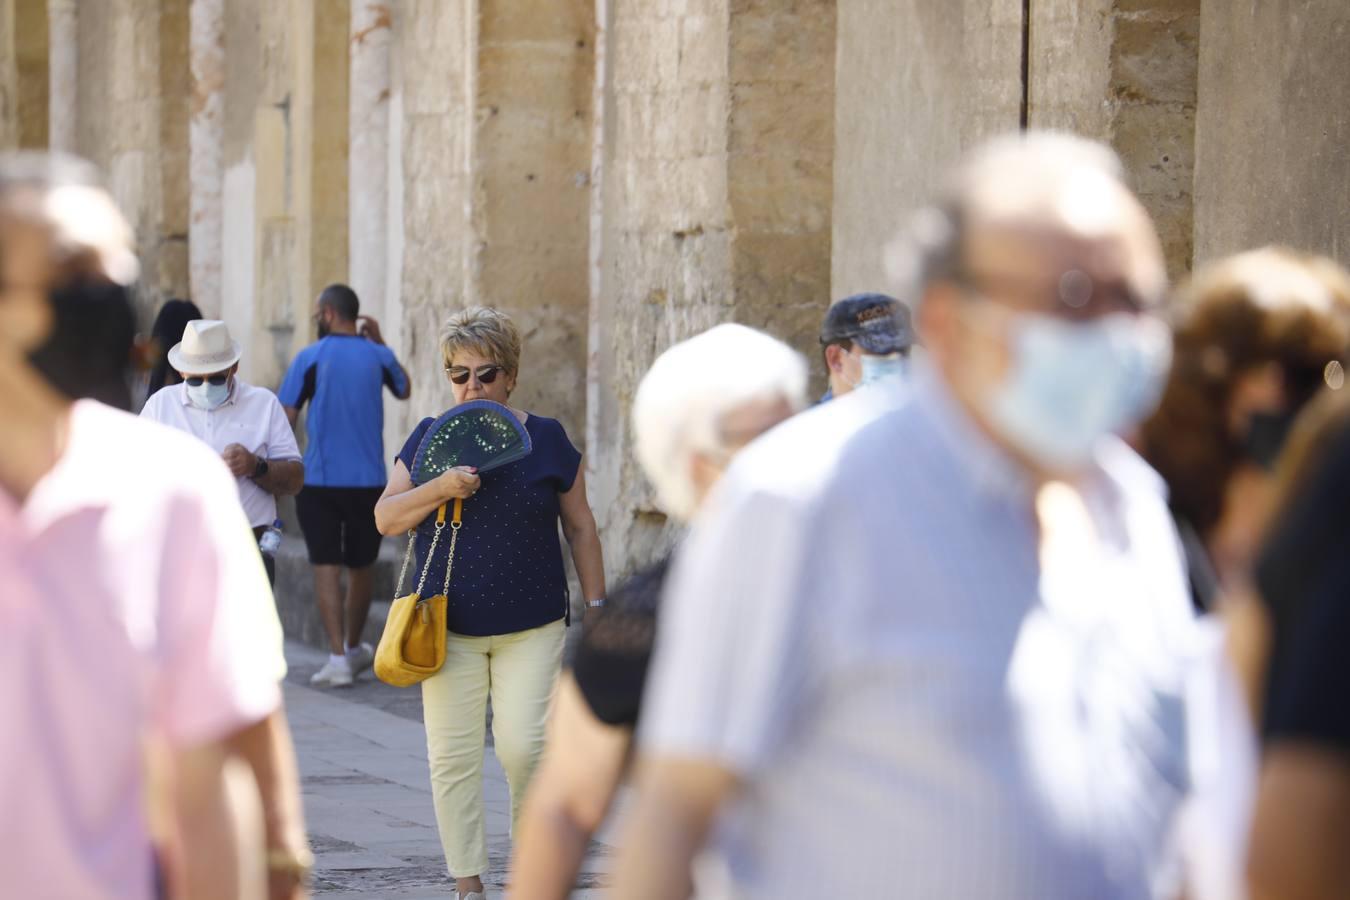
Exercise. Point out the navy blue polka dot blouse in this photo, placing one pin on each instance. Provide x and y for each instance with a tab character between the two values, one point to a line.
508	573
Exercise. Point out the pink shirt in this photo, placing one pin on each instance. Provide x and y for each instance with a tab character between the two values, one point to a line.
132	603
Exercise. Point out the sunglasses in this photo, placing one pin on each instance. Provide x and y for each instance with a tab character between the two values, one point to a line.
485	374
196	380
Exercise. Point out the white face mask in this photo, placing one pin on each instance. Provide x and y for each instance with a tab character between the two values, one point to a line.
1072	383
883	368
208	396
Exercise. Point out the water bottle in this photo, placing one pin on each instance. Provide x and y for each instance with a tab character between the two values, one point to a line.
270	542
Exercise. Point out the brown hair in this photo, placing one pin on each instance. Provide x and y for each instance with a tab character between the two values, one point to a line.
1268	306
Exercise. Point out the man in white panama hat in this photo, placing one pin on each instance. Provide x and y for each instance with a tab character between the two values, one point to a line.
244	424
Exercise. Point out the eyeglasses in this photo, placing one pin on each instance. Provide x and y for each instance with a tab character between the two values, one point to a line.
485	374
217	379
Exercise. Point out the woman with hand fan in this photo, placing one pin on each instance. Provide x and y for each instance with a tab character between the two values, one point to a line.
508	601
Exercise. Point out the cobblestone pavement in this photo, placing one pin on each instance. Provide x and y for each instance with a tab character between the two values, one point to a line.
367	795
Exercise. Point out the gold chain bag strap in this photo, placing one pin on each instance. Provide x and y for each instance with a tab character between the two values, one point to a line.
412	647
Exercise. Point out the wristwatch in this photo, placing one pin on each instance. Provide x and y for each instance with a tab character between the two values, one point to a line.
596	603
260	469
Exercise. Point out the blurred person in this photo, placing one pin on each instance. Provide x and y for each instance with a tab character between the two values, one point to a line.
243	423
1302	611
508	598
700	403
865	338
143	647
1256	335
342	377
166	332
940	652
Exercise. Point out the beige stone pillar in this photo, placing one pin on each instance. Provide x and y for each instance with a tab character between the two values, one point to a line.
494	124
718	153
1272	128
368	160
206	138
63	59
9	79
918	81
1124	72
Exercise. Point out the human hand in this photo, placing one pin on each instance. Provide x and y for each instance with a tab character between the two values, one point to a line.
459	482
241	462
369	329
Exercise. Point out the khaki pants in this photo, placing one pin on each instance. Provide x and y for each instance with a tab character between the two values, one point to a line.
519	671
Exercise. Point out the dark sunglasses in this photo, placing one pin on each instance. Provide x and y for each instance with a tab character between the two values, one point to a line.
486	374
196	380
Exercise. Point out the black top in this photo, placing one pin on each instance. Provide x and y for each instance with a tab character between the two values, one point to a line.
1303	574
508	573
611	660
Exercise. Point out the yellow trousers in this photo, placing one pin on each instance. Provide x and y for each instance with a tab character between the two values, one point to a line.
519	671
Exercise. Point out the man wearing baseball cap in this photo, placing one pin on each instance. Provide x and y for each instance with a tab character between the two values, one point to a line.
244	424
864	338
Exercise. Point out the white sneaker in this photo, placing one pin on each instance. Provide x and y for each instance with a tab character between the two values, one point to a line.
335	673
360	658
473	896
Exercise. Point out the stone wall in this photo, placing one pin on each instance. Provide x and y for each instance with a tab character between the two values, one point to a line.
1124	72
122	125
717	159
918	81
30	55
1273	128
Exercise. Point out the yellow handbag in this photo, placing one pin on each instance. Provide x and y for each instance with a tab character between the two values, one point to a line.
412	647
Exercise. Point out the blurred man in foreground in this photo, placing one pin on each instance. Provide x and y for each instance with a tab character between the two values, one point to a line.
142	651
934	653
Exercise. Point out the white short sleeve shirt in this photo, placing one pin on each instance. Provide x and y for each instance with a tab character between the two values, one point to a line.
251	417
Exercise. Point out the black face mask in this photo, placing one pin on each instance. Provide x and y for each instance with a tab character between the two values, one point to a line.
1266	435
88	354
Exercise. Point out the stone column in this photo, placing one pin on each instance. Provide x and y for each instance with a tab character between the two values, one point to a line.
206	167
1271	135
1124	72
718	152
368	160
63	59
918	81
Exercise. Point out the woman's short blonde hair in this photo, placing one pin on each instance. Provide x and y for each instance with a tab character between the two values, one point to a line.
486	331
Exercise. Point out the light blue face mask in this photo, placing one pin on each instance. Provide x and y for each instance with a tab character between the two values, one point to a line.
1072	383
208	396
883	368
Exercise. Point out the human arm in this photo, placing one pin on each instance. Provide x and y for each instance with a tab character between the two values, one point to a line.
1302	824
578	523
677	801
267	749
283	477
396	377
403	507
568	798
216	850
292	414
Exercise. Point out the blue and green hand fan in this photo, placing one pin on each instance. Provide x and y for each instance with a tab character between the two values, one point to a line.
480	433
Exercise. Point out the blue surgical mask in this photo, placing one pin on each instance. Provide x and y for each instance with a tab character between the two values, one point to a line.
208	396
1072	383
883	368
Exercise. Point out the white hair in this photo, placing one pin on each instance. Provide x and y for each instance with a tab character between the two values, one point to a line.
690	388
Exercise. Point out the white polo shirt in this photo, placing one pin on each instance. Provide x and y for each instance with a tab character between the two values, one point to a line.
251	416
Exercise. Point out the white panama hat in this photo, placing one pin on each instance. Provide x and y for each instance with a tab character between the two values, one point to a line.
206	348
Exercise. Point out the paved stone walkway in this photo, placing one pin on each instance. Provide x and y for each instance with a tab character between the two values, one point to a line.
367	795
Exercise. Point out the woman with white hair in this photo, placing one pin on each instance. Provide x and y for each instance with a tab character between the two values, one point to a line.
701	402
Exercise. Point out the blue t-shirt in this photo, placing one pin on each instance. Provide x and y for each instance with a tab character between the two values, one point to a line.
508	573
342	376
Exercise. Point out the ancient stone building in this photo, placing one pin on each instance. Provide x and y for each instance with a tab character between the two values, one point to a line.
621	173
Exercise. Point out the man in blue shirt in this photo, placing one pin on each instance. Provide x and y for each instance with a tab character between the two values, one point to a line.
341	377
